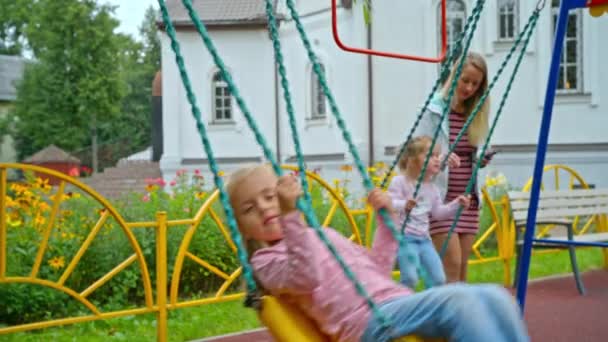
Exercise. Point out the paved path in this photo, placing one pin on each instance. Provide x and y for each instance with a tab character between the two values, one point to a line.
554	312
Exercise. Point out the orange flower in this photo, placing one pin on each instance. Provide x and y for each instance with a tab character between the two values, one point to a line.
151	187
346	168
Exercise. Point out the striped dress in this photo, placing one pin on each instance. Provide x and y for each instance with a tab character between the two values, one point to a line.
457	182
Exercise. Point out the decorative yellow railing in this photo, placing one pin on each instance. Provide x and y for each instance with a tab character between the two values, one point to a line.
164	300
162	297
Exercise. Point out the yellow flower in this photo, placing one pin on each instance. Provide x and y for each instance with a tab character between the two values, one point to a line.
491	181
220	173
14	220
39	220
57	262
18	188
10	203
57	197
380	165
346	168
200	195
43	206
43	184
371	169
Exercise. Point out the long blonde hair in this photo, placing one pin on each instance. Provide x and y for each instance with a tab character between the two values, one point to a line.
478	129
232	184
415	146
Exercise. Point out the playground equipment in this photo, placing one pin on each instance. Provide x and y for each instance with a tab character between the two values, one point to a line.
343	46
596	7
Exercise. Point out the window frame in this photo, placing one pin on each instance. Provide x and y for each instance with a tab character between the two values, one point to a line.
515	17
218	83
578	62
317	96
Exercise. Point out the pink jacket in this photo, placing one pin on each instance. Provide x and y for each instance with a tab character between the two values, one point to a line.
301	270
429	204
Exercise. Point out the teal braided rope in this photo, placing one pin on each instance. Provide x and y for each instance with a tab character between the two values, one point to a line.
311	218
534	20
219	183
278	55
477	12
292	123
445	68
347	137
483	98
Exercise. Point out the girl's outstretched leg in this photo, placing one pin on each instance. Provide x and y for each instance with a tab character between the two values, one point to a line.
453	311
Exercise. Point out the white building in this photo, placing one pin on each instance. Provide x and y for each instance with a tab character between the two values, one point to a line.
379	97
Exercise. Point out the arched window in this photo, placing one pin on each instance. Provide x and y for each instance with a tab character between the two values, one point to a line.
318	101
456	17
571	64
508	19
222	100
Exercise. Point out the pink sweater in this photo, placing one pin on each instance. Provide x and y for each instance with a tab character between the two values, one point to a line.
429	203
301	270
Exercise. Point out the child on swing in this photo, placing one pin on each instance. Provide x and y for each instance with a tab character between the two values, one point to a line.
428	203
290	262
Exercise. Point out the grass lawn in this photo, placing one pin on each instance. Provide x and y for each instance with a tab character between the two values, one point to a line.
192	323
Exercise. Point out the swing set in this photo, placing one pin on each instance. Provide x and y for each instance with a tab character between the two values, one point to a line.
286	322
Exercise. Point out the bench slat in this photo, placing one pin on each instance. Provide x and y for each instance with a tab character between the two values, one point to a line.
561	193
557	221
561	203
594	237
543	214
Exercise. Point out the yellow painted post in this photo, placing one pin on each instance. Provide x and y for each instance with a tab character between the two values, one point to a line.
604	227
2	223
507	244
369	216
161	276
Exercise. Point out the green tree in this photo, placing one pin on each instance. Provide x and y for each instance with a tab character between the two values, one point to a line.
14	16
72	93
140	62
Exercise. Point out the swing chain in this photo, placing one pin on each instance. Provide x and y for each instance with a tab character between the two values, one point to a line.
540	5
530	29
478	106
445	68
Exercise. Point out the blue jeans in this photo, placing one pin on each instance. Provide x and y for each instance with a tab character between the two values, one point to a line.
423	250
457	312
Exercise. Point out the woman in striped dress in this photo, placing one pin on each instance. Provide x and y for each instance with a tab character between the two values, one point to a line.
471	85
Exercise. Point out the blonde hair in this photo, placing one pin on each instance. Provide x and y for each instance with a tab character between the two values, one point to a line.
415	146
232	184
478	129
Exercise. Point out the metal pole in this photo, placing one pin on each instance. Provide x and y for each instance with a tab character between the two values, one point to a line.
541	150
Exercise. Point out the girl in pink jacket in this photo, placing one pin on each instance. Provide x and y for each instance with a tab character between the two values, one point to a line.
290	262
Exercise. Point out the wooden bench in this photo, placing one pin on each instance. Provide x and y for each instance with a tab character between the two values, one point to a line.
559	208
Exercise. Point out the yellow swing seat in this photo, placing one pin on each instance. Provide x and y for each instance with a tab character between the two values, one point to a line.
285	323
